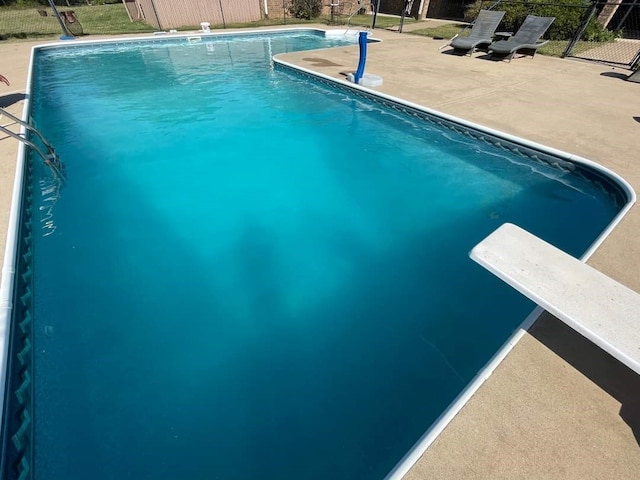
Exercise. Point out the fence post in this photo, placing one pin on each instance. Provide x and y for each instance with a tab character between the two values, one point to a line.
155	13
65	31
224	24
635	63
624	17
583	26
375	14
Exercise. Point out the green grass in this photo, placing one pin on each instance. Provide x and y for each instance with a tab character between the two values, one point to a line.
112	19
555	48
24	23
108	19
445	31
356	21
382	21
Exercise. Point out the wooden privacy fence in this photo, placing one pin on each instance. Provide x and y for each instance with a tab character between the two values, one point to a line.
165	14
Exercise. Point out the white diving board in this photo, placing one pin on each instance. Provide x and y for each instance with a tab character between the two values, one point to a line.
601	309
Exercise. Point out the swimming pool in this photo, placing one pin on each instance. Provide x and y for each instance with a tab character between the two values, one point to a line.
292	313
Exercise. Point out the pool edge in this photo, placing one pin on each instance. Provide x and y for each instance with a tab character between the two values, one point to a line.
9	264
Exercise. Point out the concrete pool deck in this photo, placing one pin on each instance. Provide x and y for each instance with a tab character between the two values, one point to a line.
557	407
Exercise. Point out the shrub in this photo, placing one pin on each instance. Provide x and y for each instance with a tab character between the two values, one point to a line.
306	9
595	32
568	13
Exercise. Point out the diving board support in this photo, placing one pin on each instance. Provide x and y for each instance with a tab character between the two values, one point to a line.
595	305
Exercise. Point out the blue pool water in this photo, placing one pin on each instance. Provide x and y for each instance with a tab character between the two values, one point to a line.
251	275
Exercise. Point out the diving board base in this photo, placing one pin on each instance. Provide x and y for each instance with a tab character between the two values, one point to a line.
595	305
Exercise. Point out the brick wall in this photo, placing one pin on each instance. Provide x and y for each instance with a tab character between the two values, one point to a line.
275	8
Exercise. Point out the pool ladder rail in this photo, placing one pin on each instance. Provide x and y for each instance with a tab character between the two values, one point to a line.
50	158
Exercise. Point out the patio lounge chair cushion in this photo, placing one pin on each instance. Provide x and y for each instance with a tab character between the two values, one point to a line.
482	31
526	38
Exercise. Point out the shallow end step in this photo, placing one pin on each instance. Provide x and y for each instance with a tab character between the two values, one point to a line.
598	307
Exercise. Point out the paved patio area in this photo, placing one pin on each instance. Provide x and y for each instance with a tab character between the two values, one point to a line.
557	407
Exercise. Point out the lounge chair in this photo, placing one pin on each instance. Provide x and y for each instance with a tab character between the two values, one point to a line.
482	32
525	40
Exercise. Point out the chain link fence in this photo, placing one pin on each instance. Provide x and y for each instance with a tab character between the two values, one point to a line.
603	31
569	16
621	45
21	19
39	20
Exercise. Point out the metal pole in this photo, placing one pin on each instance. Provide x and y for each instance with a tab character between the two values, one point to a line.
635	63
406	10
622	20
51	160
57	15
155	12
224	25
375	13
578	34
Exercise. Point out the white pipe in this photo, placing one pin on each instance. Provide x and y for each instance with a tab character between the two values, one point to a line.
266	8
